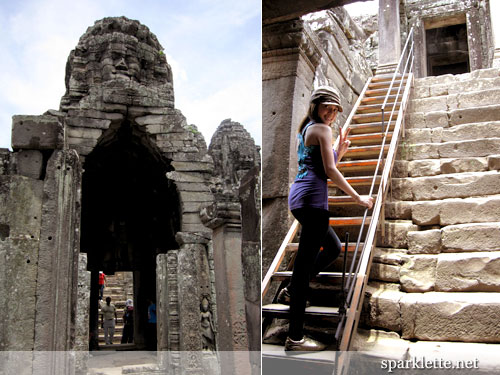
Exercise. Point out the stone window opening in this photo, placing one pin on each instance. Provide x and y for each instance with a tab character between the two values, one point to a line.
130	214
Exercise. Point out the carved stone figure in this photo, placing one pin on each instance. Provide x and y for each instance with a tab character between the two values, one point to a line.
207	326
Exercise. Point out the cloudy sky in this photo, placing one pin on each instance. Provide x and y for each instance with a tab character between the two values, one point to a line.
213	47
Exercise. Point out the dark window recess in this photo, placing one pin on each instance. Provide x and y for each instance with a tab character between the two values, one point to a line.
447	50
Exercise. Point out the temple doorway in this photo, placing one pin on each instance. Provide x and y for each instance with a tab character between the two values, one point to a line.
130	214
447	46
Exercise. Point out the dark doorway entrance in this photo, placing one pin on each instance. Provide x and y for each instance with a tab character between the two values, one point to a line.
447	50
130	213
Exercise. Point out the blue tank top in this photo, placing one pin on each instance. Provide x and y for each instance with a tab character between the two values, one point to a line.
310	188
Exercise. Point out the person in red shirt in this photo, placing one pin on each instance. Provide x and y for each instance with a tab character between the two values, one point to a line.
102	284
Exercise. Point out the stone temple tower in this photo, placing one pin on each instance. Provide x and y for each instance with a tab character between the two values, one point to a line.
112	181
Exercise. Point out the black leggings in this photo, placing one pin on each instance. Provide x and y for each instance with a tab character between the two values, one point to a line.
316	232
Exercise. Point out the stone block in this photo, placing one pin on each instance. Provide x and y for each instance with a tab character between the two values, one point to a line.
418	273
418	136
424	151
421	92
438	90
384	272
389	256
468	272
400	169
398	210
438	316
452	102
382	308
436	119
476	131
193	166
425	213
416	120
494	162
471	237
21	206
479	98
463	165
459	185
81	123
73	132
470	210
395	234
430	104
29	163
481	147
424	242
21	258
401	189
475	114
37	133
429	167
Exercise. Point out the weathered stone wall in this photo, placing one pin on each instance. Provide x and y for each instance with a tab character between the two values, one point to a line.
321	48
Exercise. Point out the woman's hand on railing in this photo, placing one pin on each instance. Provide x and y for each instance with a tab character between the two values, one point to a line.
365	201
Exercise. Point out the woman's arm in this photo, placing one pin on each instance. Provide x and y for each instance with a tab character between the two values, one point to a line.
323	135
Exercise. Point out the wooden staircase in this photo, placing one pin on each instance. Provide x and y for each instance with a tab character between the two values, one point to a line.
337	294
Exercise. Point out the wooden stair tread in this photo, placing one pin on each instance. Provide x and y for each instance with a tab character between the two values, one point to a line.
386	84
363	118
359	165
373	108
276	308
368	137
386	77
291	247
321	275
380	91
342	199
379	99
370	127
348	221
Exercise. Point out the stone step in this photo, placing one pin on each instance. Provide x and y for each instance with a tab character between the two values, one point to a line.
474	131
452	149
379	345
433	167
464	100
450	118
454	185
458	87
449	79
436	316
456	211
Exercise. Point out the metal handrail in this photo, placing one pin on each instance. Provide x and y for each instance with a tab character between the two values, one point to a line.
353	277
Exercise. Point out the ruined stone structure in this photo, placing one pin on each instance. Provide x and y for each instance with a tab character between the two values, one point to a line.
115	181
434	286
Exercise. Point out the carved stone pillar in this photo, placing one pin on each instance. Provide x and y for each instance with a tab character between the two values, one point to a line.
389	48
291	55
223	217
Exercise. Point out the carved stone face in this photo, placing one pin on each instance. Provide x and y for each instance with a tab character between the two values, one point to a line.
126	58
119	65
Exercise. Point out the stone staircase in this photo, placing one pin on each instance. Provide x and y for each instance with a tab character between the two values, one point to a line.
435	275
119	288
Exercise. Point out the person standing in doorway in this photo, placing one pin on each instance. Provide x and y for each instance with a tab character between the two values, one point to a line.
308	202
151	330
128	323
108	320
102	284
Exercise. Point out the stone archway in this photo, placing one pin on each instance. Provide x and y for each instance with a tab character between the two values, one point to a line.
130	214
